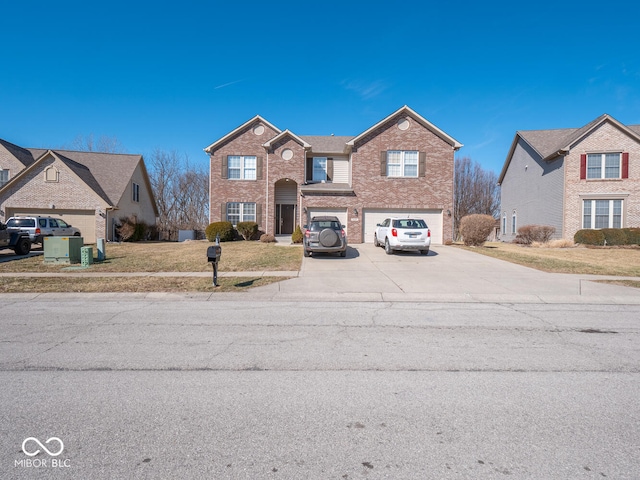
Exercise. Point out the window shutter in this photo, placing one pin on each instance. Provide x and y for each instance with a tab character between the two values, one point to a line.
258	168
583	166
259	213
223	212
309	176
383	163
225	170
329	169
422	164
625	165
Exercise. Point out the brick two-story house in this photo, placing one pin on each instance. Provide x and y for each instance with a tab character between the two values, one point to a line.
403	165
573	178
89	190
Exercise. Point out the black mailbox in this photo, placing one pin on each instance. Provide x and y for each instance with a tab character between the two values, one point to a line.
213	257
214	253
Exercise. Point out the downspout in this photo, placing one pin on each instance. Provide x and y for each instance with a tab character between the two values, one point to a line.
266	206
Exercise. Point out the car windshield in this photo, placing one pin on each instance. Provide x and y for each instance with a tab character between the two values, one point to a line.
409	223
318	226
21	222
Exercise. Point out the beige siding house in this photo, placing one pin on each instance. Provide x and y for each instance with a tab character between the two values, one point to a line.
88	190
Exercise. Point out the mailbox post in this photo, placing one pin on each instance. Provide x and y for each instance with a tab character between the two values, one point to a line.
213	256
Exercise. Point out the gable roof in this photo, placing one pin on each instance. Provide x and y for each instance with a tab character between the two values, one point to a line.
23	155
235	131
328	143
550	144
418	118
286	133
107	174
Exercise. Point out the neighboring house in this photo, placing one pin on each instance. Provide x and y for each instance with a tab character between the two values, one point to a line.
88	190
572	179
402	165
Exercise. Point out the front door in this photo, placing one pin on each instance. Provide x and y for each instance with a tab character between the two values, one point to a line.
285	219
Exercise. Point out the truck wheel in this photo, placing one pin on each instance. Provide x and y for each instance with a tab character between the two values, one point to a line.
23	246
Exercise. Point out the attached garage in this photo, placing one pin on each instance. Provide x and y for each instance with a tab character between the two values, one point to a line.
84	220
433	218
341	213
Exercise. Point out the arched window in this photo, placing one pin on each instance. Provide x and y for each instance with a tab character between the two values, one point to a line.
513	223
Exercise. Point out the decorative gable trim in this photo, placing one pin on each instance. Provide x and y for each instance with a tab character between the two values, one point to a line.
287	133
234	132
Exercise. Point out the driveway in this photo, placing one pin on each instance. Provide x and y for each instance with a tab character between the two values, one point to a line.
446	274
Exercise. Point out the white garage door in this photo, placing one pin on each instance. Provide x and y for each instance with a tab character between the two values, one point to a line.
341	213
83	220
432	217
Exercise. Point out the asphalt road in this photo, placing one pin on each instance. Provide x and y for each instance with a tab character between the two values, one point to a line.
184	388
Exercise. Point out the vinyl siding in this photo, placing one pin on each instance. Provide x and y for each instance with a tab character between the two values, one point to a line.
533	189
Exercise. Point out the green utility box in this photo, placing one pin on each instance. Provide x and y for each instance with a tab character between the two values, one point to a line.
86	255
62	249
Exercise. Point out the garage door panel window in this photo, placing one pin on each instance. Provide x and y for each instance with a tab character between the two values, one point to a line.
402	163
602	214
241	212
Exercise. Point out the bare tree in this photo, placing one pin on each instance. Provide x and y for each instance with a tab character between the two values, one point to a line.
476	191
181	191
103	144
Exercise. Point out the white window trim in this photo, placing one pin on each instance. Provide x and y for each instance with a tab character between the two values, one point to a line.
243	169
8	175
603	166
610	212
135	190
242	215
402	163
514	223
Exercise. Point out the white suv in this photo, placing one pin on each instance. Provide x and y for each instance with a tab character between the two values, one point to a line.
39	227
403	234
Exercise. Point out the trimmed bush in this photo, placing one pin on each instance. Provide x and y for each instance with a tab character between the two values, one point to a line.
296	236
535	233
247	229
476	228
633	235
225	229
589	237
614	236
267	238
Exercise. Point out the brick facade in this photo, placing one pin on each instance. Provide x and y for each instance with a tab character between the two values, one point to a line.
368	188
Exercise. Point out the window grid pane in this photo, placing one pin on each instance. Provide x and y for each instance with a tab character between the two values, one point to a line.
602	214
612	165
249	168
586	221
248	212
594	166
617	214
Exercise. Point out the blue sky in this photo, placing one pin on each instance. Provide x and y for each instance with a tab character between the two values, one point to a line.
179	75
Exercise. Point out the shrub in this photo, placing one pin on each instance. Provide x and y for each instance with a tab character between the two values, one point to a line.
296	236
476	228
267	238
561	243
247	229
535	233
633	235
225	229
131	230
589	237
614	236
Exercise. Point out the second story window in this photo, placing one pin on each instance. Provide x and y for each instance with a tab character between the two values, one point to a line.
136	192
402	163
242	167
319	169
603	165
4	177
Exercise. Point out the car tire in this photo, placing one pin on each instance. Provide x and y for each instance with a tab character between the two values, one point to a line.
343	253
424	252
387	247
376	243
306	252
23	246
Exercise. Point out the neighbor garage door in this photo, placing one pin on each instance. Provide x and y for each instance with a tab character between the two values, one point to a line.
83	220
432	217
341	213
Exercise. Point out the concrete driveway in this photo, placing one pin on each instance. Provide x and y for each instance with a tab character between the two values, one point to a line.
446	274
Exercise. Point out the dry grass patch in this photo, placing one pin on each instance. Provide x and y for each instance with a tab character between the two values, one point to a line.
177	257
596	261
130	285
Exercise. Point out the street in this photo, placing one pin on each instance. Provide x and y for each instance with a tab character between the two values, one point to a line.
186	388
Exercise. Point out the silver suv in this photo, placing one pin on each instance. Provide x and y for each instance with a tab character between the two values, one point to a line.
324	235
39	227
